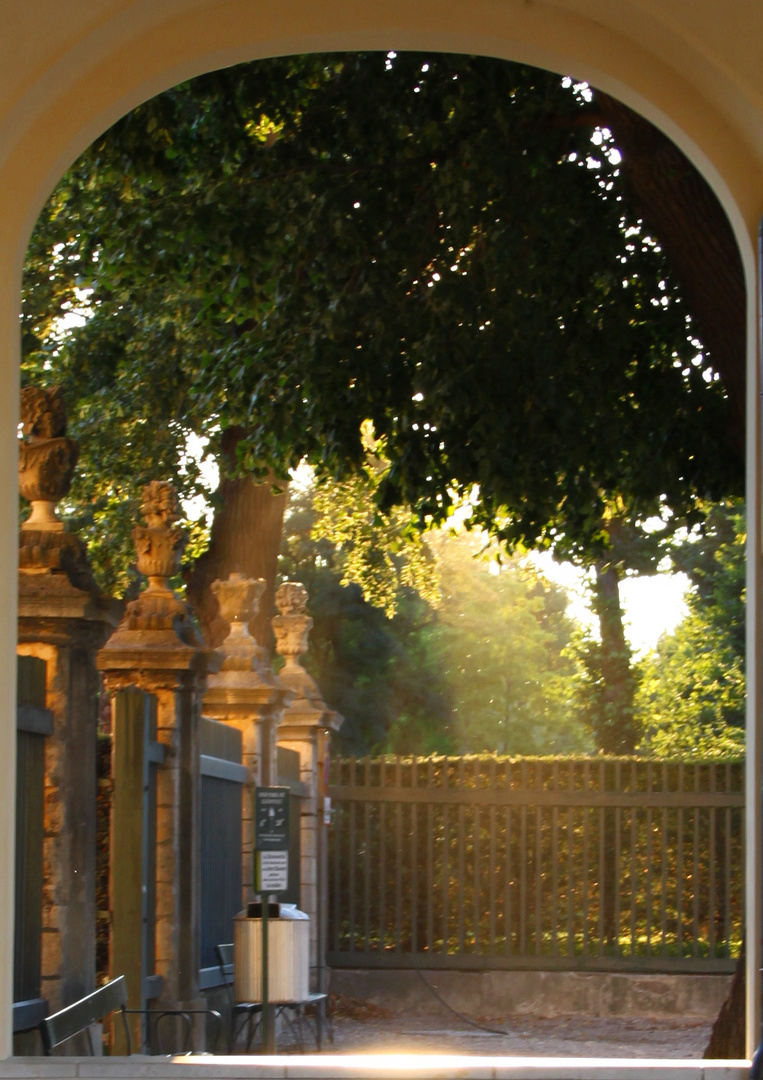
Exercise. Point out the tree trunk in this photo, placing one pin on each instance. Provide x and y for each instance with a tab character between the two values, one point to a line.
245	537
616	732
727	1039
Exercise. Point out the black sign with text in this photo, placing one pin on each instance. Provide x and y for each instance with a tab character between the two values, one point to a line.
271	819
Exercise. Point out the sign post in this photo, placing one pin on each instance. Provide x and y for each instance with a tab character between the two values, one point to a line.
271	875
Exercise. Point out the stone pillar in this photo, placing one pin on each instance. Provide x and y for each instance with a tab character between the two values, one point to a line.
246	694
63	619
305	727
157	648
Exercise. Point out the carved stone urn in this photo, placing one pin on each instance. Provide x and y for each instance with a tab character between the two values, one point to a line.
46	457
239	599
292	625
159	545
157	644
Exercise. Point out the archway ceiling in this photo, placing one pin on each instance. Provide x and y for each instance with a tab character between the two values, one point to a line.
683	211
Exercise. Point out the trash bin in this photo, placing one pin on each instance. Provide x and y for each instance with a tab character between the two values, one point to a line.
288	955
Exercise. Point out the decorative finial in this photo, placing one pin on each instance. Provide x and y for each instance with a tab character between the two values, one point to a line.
46	457
292	625
159	543
239	599
160	506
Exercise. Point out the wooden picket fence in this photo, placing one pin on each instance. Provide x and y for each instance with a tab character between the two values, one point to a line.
537	863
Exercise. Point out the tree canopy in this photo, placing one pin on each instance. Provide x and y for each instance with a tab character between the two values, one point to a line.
441	245
691	698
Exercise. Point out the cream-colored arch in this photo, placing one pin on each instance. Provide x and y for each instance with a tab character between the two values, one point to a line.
693	67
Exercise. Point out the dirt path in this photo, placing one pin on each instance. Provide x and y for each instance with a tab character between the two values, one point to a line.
360	1027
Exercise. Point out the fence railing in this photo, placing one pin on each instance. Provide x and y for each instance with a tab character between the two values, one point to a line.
486	863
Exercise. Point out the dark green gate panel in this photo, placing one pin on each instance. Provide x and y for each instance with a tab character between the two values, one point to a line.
33	723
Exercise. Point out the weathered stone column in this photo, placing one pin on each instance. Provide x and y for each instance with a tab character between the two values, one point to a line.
305	727
157	649
246	694
63	619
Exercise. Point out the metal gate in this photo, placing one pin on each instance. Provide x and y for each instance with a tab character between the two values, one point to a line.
222	778
481	863
33	723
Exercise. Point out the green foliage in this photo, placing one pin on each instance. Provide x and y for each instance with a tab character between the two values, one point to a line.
608	715
380	673
691	697
503	639
381	551
431	242
487	668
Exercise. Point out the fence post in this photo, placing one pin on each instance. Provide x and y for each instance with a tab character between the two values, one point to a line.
132	884
306	727
63	619
247	695
157	648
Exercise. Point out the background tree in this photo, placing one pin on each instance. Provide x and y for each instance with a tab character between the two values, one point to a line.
377	667
481	663
381	551
691	698
503	640
607	693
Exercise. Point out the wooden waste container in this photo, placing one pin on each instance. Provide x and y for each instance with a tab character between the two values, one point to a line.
288	957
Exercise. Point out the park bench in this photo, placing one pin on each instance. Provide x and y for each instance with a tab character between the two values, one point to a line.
293	1012
92	1009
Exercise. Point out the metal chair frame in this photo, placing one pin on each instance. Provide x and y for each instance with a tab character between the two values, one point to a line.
80	1016
251	1010
70	1021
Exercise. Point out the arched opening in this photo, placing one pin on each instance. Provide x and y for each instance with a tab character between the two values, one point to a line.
200	64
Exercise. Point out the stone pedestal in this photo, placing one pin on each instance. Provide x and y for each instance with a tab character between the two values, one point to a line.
306	727
63	619
246	694
65	627
157	649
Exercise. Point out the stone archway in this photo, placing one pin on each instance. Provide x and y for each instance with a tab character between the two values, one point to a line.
689	66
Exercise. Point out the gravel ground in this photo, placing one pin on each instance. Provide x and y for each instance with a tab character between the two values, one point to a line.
361	1027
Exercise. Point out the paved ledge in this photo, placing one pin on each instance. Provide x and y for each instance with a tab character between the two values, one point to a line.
369	1067
540	993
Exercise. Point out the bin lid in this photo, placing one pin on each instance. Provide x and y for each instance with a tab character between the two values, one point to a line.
291	911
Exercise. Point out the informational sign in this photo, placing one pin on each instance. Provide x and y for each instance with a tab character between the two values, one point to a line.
272	871
271	819
271	875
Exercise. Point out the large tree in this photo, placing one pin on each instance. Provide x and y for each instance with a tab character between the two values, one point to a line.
446	246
